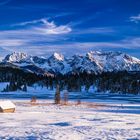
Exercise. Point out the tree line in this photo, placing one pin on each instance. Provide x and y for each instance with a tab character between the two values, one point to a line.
122	82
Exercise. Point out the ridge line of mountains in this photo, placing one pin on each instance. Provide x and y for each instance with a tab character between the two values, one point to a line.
94	62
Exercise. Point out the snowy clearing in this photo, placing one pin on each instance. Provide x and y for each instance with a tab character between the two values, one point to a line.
55	122
112	116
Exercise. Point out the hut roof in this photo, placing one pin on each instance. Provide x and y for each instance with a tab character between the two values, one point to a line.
6	105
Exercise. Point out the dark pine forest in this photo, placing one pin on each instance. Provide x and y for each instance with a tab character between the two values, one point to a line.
121	82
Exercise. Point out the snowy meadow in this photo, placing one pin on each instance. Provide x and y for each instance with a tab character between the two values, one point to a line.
99	116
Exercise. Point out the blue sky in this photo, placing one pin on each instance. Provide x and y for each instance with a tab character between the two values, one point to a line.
41	27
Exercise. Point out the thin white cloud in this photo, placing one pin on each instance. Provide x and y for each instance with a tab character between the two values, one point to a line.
32	33
100	30
128	43
43	26
135	19
78	47
42	20
42	37
35	32
53	30
11	42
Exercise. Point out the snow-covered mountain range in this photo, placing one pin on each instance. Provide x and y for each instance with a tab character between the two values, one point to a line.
93	62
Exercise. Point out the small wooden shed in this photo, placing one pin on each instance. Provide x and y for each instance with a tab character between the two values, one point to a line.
7	107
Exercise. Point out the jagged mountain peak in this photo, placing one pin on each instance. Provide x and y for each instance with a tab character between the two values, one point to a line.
57	56
15	57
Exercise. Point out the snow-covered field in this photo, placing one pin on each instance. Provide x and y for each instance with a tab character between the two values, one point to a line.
114	117
57	122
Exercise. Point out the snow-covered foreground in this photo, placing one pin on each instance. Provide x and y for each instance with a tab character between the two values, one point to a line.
55	122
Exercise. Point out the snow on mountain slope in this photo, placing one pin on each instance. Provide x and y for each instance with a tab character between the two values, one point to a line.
58	56
84	63
15	57
93	62
57	63
115	61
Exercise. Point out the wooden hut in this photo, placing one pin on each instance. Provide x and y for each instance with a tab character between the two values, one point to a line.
7	107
